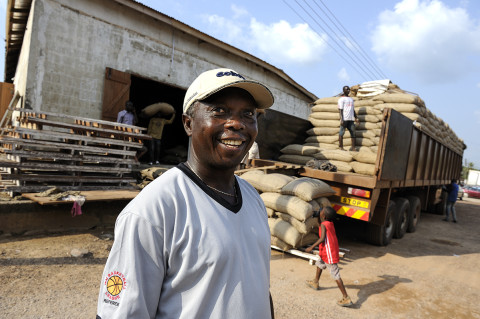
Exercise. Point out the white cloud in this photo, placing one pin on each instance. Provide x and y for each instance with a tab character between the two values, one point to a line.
343	75
282	42
478	85
427	39
225	26
238	12
277	42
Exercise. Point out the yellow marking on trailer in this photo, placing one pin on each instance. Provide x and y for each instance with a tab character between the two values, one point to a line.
354	202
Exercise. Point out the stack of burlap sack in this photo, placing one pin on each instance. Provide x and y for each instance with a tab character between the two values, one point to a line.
291	203
323	140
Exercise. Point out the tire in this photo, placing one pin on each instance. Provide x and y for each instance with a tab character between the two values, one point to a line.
402	207
413	213
441	207
382	235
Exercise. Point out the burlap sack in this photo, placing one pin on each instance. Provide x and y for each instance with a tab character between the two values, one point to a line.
368	125
325	108
358	142
153	172
325	116
315	206
338	155
367	103
366	157
288	204
328	139
324	146
342	166
284	231
323	202
308	239
297	149
302	227
323	131
295	159
399	98
412	116
367	110
374	148
153	109
307	189
402	107
363	149
270	212
360	133
268	182
369	118
324	123
328	100
277	242
362	168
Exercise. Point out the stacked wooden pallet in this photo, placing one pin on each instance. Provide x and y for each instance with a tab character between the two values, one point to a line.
40	150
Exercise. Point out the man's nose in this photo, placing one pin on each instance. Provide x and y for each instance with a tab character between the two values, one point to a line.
236	122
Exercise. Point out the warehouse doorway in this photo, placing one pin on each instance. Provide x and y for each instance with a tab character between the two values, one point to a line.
144	92
120	87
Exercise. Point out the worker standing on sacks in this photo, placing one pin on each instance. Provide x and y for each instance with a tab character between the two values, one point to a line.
348	117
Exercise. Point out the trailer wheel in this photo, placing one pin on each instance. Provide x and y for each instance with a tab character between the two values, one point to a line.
382	235
441	207
413	213
402	208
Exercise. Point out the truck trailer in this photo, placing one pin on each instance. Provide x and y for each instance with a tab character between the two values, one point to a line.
411	169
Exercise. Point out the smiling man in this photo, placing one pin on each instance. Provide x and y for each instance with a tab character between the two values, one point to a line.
195	242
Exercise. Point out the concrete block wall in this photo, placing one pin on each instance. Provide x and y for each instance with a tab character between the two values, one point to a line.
73	41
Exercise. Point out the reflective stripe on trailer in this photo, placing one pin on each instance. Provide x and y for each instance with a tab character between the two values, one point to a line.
351	212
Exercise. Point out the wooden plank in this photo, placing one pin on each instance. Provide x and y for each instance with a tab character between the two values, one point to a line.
68	178
90	196
75	137
39	188
66	168
87	128
31	154
312	258
65	146
78	118
245	170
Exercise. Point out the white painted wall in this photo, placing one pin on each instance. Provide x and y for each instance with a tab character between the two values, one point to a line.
473	178
73	41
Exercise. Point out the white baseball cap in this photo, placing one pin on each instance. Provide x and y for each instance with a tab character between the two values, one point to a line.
213	81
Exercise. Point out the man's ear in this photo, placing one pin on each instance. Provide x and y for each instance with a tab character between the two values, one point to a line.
187	124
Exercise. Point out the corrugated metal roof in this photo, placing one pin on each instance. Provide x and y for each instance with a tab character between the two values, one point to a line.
16	22
17	16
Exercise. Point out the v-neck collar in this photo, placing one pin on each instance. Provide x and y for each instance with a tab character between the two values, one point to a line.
235	208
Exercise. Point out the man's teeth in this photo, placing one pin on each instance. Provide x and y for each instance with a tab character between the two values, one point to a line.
232	142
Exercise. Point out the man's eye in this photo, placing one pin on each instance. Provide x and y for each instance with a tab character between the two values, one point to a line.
250	113
218	110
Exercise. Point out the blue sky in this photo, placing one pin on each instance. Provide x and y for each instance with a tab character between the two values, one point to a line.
429	47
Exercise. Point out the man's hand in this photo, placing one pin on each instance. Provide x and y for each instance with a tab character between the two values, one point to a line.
357	121
309	249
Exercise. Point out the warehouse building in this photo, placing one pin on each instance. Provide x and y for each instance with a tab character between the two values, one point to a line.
88	57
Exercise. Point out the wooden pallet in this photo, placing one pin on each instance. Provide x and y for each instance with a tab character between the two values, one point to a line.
41	150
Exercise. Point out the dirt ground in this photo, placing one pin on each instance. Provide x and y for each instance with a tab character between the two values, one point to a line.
432	273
